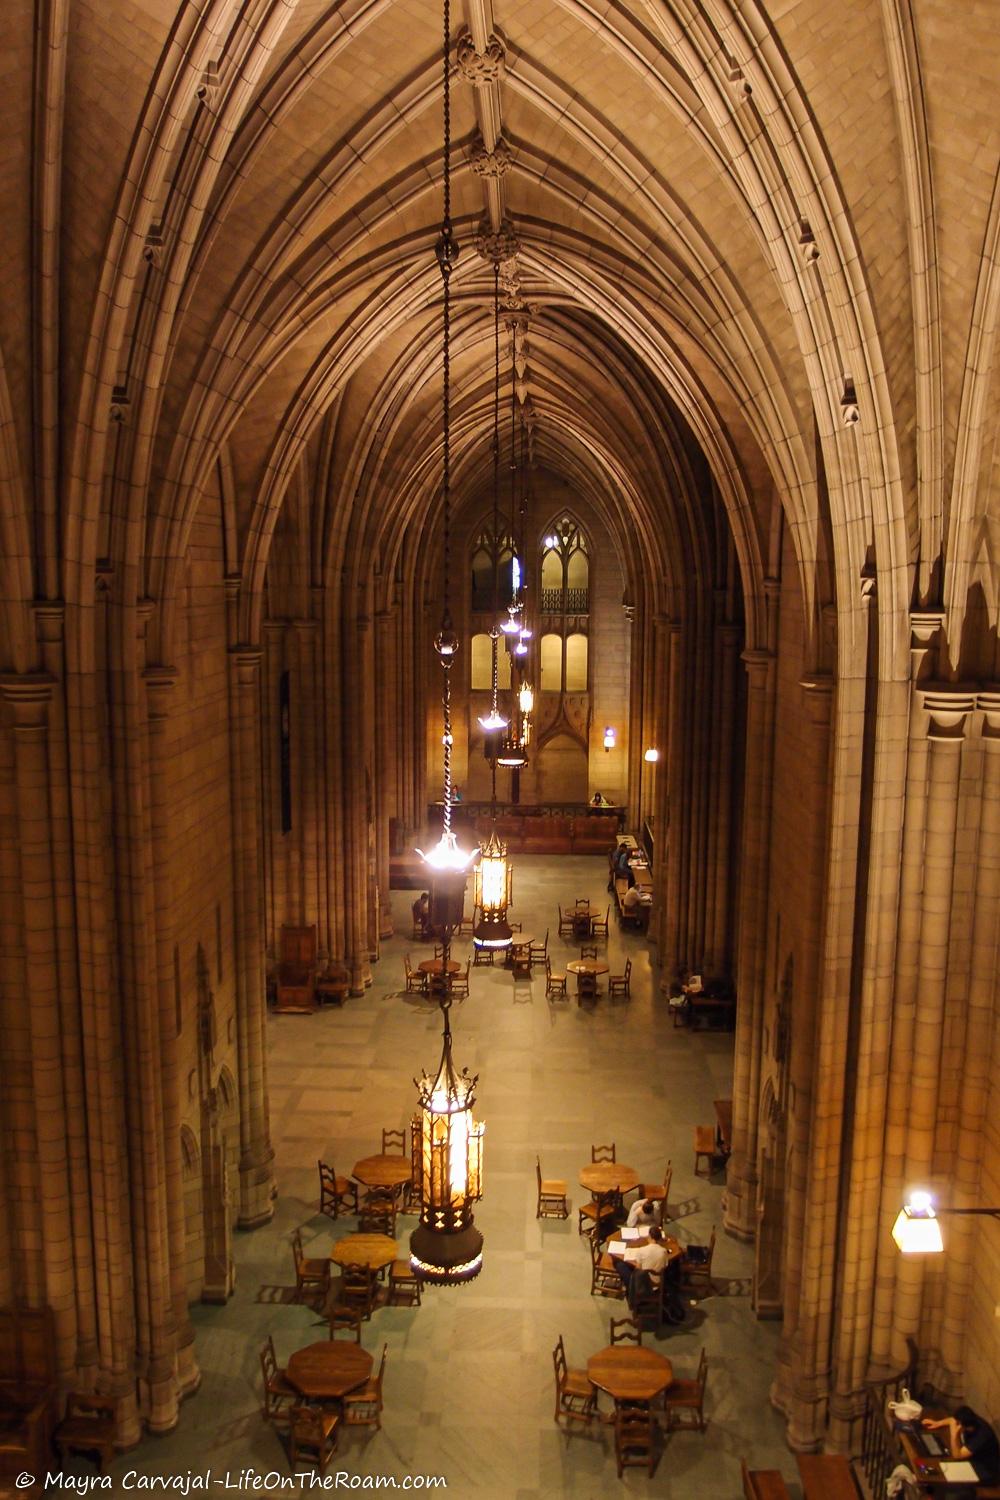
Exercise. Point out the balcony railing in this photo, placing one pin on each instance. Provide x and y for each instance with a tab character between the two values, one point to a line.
565	601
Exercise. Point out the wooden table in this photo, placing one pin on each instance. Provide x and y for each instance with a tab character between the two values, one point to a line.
327	1371
375	1250
673	1247
630	1372
583	917
581	966
922	1463
435	967
724	1128
826	1476
604	1177
383	1171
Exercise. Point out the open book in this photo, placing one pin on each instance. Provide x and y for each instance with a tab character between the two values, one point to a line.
958	1471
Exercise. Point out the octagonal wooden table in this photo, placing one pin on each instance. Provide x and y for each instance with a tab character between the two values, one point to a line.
327	1371
630	1372
388	1172
604	1177
374	1250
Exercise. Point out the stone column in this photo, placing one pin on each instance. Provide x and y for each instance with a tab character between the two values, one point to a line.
670	793
308	776
160	685
45	1269
387	690
256	1155
741	1177
718	939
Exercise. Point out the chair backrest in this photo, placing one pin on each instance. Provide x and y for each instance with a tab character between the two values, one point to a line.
667	1179
625	1331
327	1178
297	1250
538	1171
381	1370
702	1376
628	970
589	950
268	1359
297	945
603	1153
357	1279
711	1247
406	965
346	1323
548	967
559	1361
581	901
393	1141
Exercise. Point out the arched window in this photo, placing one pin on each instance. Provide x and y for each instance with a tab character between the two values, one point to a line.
576	663
550	656
552	571
482	663
489	554
482	580
565	571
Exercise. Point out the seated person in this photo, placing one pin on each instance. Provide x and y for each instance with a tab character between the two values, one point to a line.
643	1211
422	913
652	1258
971	1437
633	896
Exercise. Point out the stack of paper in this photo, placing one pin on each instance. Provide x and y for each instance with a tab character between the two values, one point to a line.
958	1471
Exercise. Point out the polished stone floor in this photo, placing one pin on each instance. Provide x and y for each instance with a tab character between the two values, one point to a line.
469	1384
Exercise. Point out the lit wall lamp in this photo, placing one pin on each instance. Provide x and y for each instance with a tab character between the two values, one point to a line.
652	755
917	1230
609	738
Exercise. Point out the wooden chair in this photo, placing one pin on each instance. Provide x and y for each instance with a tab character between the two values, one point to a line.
586	987
482	958
704	1146
416	983
588	950
552	1202
89	1425
599	926
540	951
295	979
580	902
313	1434
555	982
460	982
279	1395
625	1331
604	1278
685	1400
312	1275
576	1399
358	1289
363	1407
377	1214
393	1142
658	1192
405	1285
603	1153
565	928
344	1322
588	1214
696	1266
761	1483
520	963
335	1192
621	984
634	1439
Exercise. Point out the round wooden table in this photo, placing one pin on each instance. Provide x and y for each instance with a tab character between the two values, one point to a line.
590	966
671	1246
327	1371
375	1250
629	1372
604	1177
383	1171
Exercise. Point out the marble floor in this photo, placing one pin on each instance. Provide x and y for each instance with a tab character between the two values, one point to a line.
469	1383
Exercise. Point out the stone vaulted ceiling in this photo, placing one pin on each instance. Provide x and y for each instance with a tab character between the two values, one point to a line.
729	228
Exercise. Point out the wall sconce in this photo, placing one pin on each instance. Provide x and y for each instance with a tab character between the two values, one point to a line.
917	1230
652	755
609	738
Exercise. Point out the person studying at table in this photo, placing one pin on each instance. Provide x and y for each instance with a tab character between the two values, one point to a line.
971	1437
651	1258
643	1211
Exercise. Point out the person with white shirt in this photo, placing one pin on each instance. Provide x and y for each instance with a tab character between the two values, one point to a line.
643	1211
651	1258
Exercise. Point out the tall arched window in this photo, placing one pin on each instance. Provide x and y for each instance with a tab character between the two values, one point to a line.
551	660
565	571
576	662
485	549
481	672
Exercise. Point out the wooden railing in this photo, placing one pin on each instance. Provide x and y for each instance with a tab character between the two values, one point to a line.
879	1448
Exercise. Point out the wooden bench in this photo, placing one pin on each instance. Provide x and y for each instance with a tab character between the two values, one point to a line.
704	1145
763	1484
826	1476
703	1012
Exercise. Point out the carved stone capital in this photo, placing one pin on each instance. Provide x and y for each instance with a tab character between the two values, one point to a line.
490	164
989	705
758	664
29	695
480	68
497	245
947	713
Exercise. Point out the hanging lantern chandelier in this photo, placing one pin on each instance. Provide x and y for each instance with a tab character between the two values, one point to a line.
513	752
446	1247
494	877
